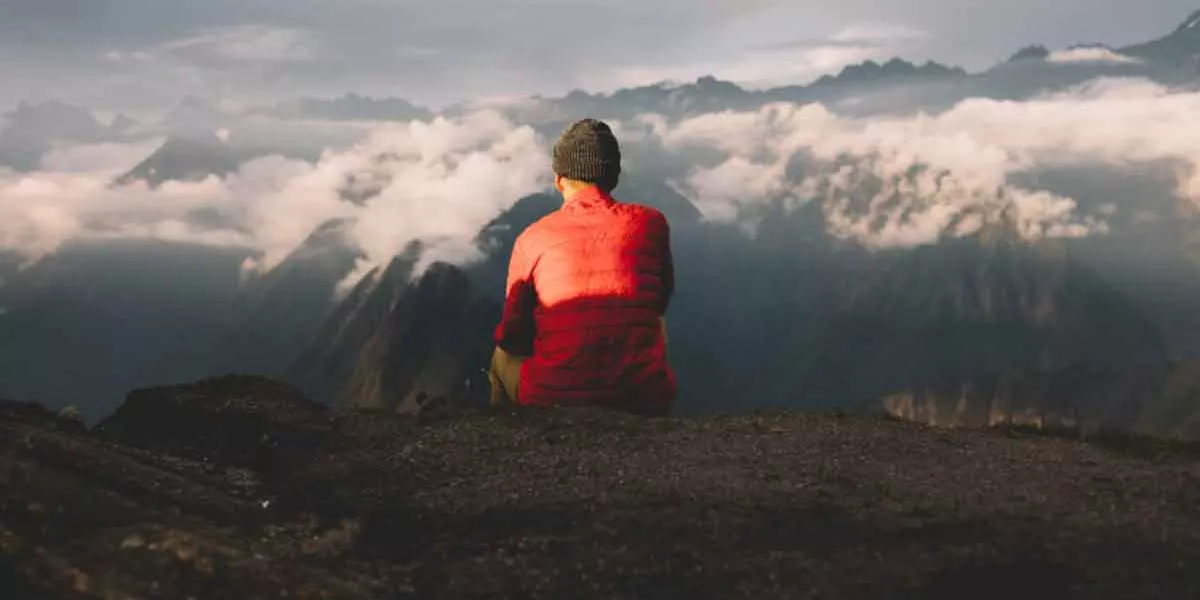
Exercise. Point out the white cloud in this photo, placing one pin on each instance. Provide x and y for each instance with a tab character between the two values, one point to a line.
1083	55
894	181
233	62
727	186
246	43
878	32
439	182
865	170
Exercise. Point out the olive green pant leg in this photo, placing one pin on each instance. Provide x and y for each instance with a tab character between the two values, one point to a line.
505	376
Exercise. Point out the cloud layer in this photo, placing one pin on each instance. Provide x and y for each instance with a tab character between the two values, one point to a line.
1090	55
902	181
883	182
438	182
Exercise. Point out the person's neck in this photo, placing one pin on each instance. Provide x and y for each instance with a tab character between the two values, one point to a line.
571	194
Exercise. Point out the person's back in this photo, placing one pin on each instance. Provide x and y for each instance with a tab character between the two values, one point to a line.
587	289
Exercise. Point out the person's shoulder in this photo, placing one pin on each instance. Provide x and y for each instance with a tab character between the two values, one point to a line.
539	232
646	213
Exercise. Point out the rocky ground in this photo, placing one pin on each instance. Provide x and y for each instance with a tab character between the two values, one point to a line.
239	488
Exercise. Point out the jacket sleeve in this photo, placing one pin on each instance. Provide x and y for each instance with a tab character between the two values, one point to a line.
516	330
668	268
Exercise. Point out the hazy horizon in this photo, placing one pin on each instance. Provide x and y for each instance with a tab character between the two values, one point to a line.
140	56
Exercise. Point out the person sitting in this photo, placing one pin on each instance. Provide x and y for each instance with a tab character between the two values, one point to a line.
587	290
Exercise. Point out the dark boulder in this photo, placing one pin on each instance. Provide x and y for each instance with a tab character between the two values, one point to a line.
242	421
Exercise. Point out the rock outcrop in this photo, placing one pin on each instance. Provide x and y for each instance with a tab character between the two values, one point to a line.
242	421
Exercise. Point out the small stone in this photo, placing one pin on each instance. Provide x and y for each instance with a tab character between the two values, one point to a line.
133	541
71	413
81	581
204	565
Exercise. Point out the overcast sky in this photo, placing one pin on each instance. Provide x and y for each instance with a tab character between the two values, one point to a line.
145	54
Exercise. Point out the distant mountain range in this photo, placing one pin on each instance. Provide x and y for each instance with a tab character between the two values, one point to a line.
348	107
873	72
790	316
27	132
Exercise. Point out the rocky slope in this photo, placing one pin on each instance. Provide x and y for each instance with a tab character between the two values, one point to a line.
274	314
240	488
96	319
856	325
395	340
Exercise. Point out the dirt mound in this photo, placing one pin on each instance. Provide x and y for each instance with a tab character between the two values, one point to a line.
242	421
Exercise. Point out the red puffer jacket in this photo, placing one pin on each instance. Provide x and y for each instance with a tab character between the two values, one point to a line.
587	285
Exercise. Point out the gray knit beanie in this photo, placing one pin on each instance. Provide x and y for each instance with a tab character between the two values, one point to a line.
588	151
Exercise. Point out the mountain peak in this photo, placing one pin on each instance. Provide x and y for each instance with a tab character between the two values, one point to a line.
1031	52
353	106
708	83
1180	47
872	71
184	158
577	95
1191	23
194	115
122	122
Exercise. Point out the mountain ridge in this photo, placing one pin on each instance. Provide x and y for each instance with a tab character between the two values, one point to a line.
1181	46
